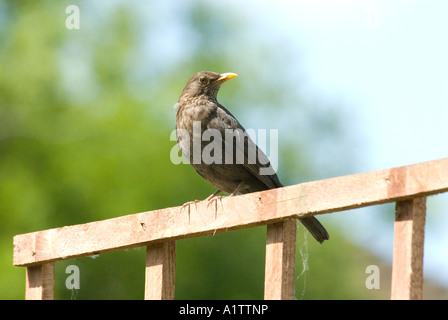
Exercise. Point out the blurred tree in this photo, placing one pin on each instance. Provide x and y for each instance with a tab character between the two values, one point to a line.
84	136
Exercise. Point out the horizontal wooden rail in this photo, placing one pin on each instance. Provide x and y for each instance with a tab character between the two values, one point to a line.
261	208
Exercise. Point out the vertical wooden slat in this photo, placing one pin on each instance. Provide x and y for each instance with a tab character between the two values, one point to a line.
280	260
409	233
40	282
160	271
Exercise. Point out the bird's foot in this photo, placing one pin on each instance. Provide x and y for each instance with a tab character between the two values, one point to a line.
187	205
215	201
214	194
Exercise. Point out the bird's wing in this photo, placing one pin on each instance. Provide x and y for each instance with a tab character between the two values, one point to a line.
244	150
261	167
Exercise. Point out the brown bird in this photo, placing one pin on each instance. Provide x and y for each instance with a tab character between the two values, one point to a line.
230	161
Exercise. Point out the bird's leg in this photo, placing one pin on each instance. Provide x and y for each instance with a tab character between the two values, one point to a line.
213	195
214	198
188	204
235	192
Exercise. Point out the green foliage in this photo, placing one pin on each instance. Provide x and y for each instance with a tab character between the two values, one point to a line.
84	136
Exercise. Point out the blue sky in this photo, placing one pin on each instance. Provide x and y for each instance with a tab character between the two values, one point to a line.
387	61
394	73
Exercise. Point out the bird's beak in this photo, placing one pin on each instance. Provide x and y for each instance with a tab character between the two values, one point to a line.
226	76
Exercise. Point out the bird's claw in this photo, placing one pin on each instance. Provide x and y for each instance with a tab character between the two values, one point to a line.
188	204
215	200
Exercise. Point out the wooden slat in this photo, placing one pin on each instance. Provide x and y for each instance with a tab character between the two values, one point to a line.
40	282
237	212
160	271
409	234
280	260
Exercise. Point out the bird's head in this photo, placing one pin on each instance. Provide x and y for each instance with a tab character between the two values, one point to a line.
205	83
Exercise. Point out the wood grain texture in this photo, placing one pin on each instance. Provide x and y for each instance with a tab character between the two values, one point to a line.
409	235
280	260
40	282
160	271
261	208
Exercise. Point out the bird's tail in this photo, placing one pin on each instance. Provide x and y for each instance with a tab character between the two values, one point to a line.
315	228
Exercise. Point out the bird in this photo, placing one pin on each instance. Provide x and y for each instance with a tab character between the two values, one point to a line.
230	166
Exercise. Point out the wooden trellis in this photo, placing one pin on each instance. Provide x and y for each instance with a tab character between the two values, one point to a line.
158	230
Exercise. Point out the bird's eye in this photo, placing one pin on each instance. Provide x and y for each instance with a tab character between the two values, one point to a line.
203	80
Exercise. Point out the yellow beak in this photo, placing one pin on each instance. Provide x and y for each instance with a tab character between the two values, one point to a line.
226	76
